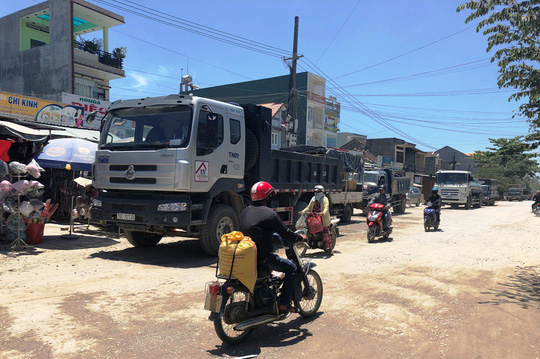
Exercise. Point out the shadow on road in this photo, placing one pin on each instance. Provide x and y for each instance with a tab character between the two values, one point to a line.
84	241
382	240
320	255
270	336
180	254
522	288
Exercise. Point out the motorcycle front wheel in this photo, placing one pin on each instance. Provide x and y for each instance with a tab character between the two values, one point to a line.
371	234
235	309
308	306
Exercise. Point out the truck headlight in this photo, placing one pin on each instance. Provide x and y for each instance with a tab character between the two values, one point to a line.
172	207
96	203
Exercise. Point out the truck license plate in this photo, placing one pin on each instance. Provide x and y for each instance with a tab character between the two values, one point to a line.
125	216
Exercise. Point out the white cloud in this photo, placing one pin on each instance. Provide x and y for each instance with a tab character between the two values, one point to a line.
141	81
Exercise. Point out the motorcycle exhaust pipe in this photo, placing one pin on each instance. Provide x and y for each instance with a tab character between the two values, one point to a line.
255	322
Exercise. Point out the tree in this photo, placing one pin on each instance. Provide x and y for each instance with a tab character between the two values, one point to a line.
514	28
509	162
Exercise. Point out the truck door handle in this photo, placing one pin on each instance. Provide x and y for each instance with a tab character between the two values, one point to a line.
223	169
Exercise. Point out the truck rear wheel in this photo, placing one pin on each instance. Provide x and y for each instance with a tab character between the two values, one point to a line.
221	220
143	239
252	150
346	214
400	208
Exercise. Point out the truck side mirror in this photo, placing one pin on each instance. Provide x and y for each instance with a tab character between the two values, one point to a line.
91	117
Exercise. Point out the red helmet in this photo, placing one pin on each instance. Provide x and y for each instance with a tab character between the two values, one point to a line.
261	190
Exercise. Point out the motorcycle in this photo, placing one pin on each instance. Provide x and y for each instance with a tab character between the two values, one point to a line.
430	217
536	209
316	240
236	312
375	223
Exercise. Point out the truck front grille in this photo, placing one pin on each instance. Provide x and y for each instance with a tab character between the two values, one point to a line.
449	192
143	168
127	207
135	180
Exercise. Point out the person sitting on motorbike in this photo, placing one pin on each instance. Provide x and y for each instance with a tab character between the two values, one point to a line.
435	199
259	222
319	204
385	200
536	200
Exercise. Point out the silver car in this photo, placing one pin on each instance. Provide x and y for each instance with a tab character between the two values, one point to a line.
414	196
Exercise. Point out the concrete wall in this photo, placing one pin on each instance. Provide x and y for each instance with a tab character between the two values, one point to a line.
382	147
44	71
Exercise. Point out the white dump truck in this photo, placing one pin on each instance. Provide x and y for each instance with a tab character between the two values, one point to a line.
459	188
183	165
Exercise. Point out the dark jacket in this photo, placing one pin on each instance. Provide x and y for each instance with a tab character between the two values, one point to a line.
259	223
536	198
383	199
435	199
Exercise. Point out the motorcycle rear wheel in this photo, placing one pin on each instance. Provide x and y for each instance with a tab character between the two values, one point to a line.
226	331
426	224
436	225
307	307
371	234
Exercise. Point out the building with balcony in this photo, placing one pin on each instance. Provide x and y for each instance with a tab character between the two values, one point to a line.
317	116
279	114
41	56
405	156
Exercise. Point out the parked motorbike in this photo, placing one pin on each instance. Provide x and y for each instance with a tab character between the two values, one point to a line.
430	217
236	312
315	240
375	223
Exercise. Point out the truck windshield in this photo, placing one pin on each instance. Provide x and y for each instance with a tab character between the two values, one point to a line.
149	127
370	177
452	178
514	191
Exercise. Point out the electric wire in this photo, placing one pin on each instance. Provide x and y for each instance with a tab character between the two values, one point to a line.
406	53
201	30
337	33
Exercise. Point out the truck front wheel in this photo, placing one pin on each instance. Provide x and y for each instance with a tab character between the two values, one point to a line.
221	220
143	239
468	204
400	208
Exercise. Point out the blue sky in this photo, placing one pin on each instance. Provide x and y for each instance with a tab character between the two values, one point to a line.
460	107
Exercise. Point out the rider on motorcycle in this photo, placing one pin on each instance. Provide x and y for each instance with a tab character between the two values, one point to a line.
385	200
259	222
320	204
435	200
536	199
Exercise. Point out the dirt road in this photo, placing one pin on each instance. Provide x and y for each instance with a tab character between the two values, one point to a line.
471	290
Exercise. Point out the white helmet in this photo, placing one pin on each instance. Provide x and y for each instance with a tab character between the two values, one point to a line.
318	188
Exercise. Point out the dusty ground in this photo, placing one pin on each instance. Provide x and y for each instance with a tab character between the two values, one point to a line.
471	290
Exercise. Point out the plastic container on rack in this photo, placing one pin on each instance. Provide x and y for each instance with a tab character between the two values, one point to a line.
34	233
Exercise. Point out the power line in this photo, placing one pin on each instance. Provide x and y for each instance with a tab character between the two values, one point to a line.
337	33
361	107
184	55
406	53
195	28
472	65
469	92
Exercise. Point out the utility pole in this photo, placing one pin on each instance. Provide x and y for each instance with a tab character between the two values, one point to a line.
293	94
454	162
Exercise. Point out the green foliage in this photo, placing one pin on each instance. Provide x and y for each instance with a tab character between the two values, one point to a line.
509	161
92	46
119	53
513	28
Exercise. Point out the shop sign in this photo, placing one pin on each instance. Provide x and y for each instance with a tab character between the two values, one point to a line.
317	98
89	105
42	111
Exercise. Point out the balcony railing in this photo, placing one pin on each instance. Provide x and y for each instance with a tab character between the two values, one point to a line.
106	58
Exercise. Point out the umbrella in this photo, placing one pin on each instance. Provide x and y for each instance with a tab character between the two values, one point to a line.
79	154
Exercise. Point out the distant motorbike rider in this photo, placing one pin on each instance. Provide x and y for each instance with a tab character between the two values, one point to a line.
536	199
435	199
259	222
383	198
321	205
